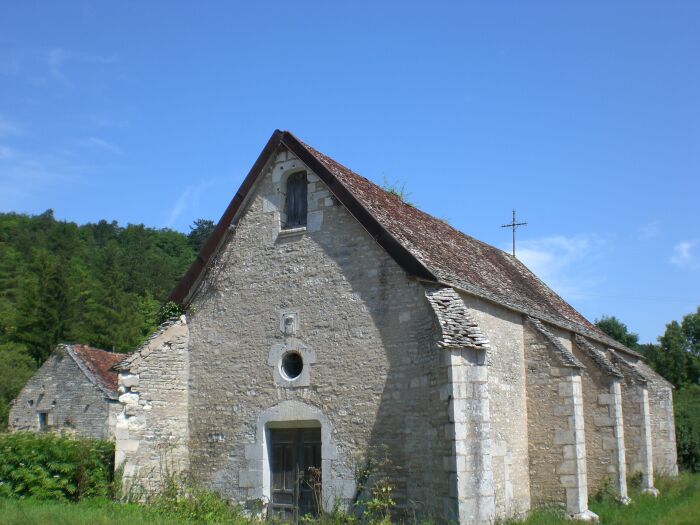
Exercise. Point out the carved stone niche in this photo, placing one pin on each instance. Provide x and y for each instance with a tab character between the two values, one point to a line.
289	322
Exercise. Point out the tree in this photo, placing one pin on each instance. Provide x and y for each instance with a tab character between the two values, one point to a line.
16	367
673	356
687	415
43	305
616	329
200	231
691	331
98	284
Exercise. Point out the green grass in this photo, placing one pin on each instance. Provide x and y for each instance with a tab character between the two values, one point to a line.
679	504
106	512
88	512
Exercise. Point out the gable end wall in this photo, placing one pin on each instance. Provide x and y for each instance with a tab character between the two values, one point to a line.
365	328
73	403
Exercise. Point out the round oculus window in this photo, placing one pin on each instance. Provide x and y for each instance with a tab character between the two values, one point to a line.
292	365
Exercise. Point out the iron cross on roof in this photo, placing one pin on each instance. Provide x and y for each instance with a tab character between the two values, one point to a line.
514	225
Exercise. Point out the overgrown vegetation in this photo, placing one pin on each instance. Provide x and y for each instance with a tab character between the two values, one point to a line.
47	479
99	284
397	188
678	504
47	466
677	358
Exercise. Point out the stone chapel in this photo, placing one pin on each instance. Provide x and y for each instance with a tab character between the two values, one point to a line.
326	319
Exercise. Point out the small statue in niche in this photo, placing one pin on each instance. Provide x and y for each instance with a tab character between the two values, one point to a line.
289	323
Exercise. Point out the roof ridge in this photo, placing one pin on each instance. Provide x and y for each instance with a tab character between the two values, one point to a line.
425	246
401	201
587	325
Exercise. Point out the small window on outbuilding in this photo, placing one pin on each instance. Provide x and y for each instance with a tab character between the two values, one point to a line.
295	204
43	420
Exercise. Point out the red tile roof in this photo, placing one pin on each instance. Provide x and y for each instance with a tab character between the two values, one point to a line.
449	253
423	245
98	364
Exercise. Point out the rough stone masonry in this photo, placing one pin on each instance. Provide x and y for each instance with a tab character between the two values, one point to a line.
389	332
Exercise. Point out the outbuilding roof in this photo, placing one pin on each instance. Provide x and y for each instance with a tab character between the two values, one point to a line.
423	245
97	366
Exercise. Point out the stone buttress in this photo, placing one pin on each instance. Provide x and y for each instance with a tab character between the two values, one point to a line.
556	429
471	498
637	422
605	417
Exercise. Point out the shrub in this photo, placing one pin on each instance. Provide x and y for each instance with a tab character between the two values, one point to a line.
687	412
47	466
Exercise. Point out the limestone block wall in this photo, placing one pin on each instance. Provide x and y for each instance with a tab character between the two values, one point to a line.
556	432
152	426
633	423
373	373
635	419
545	418
662	422
73	404
600	423
648	413
508	405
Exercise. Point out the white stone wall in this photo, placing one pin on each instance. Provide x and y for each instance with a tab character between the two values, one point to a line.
471	498
152	427
372	372
508	405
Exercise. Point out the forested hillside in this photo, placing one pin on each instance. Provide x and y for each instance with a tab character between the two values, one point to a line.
99	284
105	285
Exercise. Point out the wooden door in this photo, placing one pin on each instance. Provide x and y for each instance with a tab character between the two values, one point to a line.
296	471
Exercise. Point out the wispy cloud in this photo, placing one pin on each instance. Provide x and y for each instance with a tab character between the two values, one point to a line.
102	144
188	199
8	127
56	59
6	152
181	204
684	255
23	177
564	263
650	230
51	64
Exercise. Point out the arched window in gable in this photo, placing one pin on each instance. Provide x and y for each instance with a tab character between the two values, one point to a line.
295	204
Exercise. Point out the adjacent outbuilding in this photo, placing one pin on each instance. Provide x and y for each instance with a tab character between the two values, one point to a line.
74	392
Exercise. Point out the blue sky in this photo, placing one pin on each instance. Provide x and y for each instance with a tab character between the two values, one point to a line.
584	116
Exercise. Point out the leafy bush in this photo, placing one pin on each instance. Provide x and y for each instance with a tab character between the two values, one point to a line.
46	466
168	311
687	412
